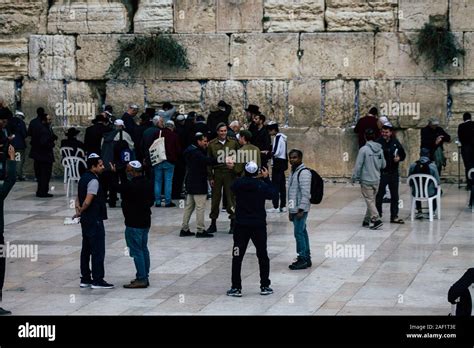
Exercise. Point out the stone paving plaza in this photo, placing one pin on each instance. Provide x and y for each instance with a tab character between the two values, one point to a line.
407	269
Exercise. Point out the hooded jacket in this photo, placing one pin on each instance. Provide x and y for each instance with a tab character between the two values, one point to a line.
433	172
369	164
250	195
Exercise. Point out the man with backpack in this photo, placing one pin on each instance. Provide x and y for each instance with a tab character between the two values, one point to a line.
299	195
425	166
369	164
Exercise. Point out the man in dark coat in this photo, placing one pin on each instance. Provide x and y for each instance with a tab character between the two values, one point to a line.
128	119
219	114
94	134
367	122
17	128
145	123
261	139
196	161
466	138
42	145
432	138
5	188
71	140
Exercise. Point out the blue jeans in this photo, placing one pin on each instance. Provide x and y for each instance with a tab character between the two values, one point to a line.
301	236
163	171
137	240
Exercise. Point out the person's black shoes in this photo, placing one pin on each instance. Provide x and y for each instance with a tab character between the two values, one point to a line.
234	292
102	285
266	290
213	227
4	311
377	225
184	233
299	264
204	235
366	223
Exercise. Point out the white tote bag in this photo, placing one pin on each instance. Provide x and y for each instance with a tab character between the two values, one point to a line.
158	151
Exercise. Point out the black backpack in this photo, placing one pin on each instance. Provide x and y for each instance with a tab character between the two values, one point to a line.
317	186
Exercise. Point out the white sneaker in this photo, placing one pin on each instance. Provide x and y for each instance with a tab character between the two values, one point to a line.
273	210
283	210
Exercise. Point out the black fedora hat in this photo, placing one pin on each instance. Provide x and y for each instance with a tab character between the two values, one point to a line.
253	109
72	132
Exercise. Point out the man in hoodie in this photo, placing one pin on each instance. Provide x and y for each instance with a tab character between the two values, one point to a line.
394	154
196	161
369	164
250	224
299	194
425	166
279	157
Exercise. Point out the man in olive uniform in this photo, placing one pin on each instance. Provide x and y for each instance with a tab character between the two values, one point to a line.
220	176
246	153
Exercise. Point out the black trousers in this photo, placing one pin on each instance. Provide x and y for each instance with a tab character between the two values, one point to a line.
392	180
460	289
2	265
108	182
93	249
279	182
467	153
43	171
242	235
178	179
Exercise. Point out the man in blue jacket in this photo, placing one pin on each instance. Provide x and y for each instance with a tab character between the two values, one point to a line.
250	224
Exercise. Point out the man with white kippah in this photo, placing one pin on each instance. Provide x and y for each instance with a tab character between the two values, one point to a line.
137	199
250	224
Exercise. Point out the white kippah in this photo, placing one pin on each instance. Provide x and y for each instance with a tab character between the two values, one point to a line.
135	164
93	155
251	167
119	123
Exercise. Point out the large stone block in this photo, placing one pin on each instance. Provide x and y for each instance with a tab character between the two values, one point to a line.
195	16
271	96
48	94
411	141
95	54
13	57
315	142
52	57
91	17
121	93
208	55
469	57
304	99
294	15
414	14
7	93
460	15
154	16
397	57
331	55
419	101
259	56
185	95
81	105
365	15
239	15
462	93
339	103
378	93
23	17
231	91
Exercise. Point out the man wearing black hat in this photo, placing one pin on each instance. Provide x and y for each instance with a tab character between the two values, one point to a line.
5	187
94	134
250	224
71	140
466	138
394	153
219	114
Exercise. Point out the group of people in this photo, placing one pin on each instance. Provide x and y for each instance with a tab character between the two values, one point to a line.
228	160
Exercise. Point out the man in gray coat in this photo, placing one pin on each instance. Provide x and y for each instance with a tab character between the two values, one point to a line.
369	164
299	194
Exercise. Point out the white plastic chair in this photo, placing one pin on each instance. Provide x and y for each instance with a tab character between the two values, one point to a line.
73	163
66	152
421	183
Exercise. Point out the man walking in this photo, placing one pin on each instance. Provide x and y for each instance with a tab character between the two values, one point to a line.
466	138
394	154
280	165
90	207
137	199
299	194
5	186
250	224
369	164
196	185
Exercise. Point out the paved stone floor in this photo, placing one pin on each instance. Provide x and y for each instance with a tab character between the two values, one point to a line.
407	269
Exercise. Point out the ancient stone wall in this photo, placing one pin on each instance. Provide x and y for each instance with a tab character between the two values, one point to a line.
315	66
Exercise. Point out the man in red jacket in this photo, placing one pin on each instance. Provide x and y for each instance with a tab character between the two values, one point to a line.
164	170
369	121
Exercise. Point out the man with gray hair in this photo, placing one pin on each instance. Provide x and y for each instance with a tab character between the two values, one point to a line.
128	119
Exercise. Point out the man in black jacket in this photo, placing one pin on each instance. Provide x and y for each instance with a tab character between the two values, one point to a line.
261	139
250	224
432	138
94	134
17	128
196	159
137	199
219	114
466	138
394	153
5	188
42	145
128	119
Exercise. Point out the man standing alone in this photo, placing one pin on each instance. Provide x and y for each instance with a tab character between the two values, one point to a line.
466	138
